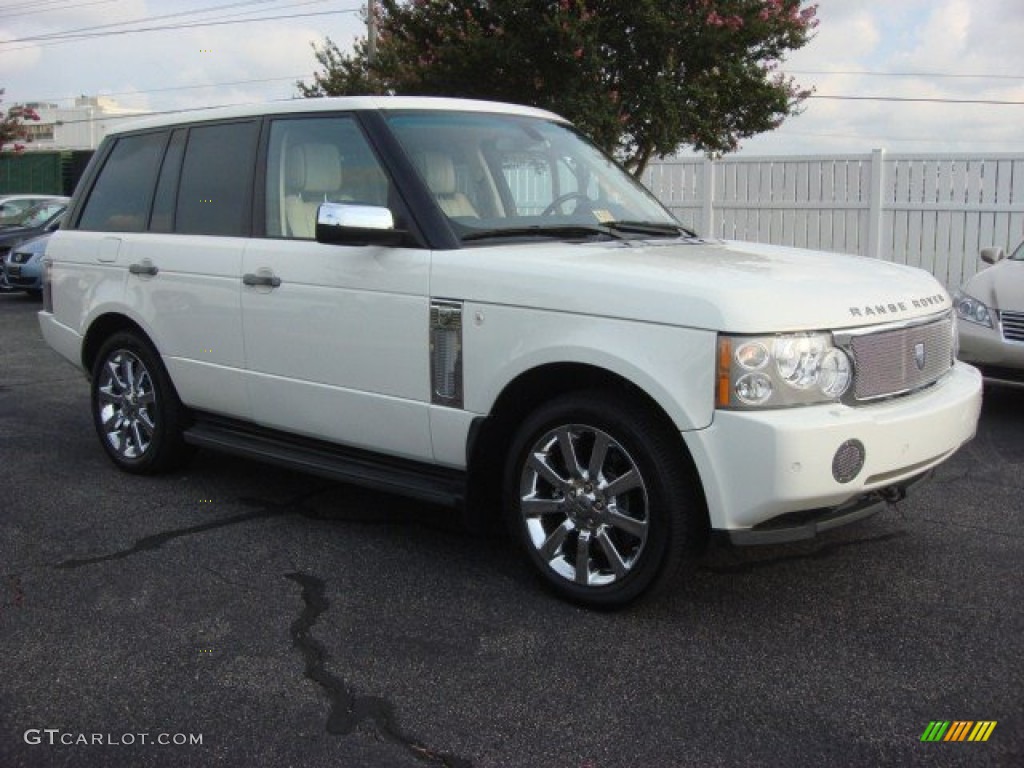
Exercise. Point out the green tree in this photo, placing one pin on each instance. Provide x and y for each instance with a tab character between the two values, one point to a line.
640	77
11	128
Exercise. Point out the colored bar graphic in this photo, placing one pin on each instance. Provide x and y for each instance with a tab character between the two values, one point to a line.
982	730
935	731
958	730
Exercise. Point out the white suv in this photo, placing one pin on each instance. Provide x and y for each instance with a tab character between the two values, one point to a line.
468	303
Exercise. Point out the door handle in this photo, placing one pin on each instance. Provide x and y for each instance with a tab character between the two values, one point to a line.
145	268
272	281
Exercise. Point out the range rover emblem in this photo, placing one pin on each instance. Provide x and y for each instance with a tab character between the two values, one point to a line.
919	355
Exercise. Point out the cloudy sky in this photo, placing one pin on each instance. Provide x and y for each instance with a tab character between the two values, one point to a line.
197	54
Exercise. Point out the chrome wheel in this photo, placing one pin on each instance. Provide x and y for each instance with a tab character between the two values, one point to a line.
126	405
584	504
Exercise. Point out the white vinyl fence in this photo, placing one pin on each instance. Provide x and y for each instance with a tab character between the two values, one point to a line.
929	211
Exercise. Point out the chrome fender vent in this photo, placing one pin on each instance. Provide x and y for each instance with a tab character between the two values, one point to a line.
446	353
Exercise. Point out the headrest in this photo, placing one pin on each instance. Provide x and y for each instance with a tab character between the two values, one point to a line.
438	171
314	168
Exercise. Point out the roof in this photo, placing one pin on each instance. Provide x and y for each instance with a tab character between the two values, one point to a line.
333	104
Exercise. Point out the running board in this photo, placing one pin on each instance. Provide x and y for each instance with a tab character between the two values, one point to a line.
424	482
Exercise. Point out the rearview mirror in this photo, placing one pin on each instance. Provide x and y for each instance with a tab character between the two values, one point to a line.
354	224
992	255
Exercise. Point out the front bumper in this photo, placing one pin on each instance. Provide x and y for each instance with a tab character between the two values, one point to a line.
757	466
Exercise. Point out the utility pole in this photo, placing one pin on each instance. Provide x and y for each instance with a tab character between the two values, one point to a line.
371	31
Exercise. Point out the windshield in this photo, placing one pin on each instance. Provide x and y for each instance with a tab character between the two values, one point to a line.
38	215
512	176
1018	254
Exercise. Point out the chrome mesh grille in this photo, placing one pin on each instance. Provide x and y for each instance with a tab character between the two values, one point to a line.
1013	325
901	360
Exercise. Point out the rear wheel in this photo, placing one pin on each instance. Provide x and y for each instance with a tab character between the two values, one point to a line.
600	496
136	411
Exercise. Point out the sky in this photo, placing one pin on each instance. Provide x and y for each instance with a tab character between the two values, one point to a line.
949	51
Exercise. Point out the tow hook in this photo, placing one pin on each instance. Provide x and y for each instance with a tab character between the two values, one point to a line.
894	494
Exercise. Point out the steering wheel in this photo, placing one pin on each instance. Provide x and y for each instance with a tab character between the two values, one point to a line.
562	199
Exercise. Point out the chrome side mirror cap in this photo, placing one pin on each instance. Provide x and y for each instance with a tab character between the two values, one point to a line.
354	224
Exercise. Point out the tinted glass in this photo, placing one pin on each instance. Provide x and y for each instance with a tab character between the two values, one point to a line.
119	201
216	180
167	186
317	160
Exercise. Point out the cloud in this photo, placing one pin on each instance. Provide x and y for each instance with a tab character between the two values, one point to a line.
937	37
171	69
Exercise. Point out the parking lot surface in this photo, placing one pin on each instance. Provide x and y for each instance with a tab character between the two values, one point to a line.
238	614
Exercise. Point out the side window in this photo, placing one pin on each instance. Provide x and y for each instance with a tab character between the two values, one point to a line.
119	201
316	160
216	179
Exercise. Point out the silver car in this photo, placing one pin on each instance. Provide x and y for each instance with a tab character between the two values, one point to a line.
990	307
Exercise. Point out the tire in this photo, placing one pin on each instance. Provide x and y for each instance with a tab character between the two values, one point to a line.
603	499
135	409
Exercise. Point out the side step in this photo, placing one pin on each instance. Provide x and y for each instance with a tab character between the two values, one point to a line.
425	482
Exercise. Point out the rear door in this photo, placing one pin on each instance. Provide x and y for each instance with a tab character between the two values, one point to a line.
163	232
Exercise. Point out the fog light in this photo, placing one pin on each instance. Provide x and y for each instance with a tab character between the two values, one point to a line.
848	461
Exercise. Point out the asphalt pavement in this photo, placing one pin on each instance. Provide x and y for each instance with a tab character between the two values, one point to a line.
234	614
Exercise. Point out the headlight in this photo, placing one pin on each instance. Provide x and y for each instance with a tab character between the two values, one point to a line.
779	371
970	309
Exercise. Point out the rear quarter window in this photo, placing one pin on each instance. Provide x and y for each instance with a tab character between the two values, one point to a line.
120	198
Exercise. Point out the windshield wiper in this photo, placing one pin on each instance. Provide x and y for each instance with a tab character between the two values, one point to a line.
574	230
650	228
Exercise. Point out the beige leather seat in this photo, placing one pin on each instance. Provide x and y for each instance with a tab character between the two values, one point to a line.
439	173
312	176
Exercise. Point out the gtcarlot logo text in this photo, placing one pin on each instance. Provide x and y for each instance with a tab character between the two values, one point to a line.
56	737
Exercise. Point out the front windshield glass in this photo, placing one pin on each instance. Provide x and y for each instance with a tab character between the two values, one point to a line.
1018	255
38	215
507	175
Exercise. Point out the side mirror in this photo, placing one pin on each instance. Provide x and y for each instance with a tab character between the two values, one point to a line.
992	255
353	224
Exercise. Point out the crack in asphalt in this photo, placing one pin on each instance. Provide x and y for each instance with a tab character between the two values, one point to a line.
348	709
823	552
264	509
14	594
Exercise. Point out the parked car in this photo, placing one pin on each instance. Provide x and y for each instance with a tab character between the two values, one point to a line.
13	206
42	218
22	268
990	307
39	219
469	303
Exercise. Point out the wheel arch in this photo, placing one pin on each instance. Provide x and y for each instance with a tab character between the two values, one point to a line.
101	329
491	435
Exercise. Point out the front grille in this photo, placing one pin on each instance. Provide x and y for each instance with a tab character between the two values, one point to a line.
1013	325
898	360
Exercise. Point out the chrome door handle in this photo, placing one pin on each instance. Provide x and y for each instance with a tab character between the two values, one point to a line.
272	281
145	268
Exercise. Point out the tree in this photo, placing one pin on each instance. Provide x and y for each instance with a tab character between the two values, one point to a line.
11	128
640	77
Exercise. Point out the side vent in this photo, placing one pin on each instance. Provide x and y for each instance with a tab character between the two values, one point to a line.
446	353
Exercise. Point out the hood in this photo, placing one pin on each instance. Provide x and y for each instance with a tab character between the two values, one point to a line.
1001	286
12	235
717	285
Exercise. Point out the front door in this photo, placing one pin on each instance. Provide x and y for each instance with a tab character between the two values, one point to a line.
336	337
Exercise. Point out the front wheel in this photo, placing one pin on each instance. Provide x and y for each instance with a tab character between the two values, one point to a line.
136	411
600	495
